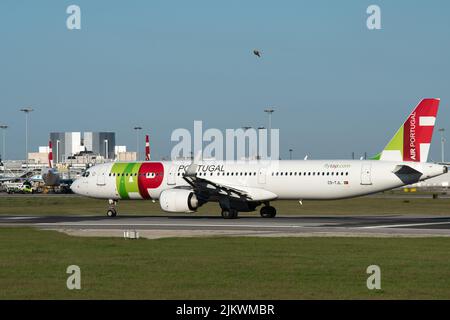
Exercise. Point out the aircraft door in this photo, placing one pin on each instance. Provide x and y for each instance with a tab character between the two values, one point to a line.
101	180
366	169
262	175
172	175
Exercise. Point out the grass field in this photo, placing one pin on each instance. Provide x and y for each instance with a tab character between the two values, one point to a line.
33	265
33	262
42	205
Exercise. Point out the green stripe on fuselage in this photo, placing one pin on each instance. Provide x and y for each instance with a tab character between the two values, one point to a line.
126	178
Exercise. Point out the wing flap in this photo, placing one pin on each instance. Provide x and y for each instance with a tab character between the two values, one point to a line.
249	193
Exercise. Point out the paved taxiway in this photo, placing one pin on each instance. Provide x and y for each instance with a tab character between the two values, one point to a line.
170	226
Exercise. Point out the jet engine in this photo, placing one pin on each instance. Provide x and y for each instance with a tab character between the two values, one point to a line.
178	200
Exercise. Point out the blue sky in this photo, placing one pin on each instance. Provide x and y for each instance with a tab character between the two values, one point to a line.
337	86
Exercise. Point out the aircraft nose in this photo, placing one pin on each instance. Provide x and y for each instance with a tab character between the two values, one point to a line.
75	186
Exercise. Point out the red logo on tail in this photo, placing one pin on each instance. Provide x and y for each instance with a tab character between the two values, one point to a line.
418	129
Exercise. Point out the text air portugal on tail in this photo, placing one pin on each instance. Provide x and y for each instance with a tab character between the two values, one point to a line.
413	138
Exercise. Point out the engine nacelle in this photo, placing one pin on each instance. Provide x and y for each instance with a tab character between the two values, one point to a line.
178	200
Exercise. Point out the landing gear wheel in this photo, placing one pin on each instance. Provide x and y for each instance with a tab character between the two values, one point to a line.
111	213
268	212
229	214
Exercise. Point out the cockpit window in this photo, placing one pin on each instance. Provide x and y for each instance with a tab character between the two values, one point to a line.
85	174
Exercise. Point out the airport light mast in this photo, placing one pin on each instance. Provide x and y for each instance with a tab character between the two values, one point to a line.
106	149
4	127
258	156
290	154
137	128
442	130
26	111
57	150
269	111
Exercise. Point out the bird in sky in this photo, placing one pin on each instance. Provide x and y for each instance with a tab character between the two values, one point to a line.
257	53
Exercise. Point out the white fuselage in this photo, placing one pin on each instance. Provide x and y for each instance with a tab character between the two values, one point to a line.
285	179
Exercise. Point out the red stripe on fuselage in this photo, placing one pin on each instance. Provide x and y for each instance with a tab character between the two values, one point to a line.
147	180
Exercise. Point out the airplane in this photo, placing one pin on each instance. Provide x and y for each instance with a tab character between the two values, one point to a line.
242	186
49	174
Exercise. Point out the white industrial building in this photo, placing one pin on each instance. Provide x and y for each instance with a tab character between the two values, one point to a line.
68	144
81	148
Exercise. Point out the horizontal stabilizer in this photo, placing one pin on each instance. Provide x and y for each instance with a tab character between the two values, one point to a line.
404	169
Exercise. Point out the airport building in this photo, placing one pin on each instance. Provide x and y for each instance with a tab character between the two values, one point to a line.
102	143
68	144
76	149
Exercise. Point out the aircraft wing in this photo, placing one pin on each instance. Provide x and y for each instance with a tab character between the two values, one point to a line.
212	188
407	174
208	188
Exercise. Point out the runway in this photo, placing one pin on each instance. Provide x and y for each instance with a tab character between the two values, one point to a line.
175	226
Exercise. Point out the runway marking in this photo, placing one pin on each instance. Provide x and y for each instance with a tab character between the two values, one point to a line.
167	225
17	218
404	225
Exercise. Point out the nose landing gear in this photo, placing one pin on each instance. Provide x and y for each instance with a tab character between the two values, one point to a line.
268	212
112	211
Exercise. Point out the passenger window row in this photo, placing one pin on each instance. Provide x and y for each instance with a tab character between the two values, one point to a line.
227	173
273	173
153	174
309	173
148	174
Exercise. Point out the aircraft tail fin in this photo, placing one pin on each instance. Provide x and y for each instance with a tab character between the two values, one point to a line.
147	148
50	155
413	138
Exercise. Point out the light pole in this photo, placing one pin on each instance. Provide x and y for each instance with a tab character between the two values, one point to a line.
290	154
258	156
442	130
26	111
106	149
269	111
57	151
4	127
137	128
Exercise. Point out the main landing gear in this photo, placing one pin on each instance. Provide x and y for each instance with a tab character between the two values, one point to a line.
112	211
229	213
268	212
